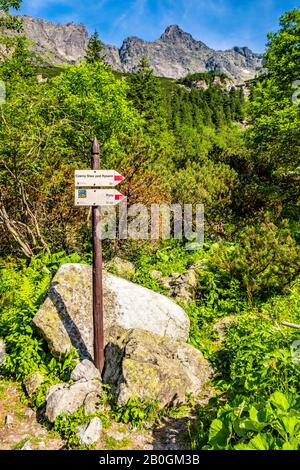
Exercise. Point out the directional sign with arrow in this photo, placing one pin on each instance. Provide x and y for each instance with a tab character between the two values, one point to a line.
97	178
98	197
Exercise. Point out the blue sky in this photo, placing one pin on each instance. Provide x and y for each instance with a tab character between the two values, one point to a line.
220	24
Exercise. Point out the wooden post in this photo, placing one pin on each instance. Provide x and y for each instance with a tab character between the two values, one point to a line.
291	325
97	275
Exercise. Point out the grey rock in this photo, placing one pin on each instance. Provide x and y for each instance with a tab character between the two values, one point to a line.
9	419
181	286
33	381
2	352
121	267
155	274
174	55
221	326
58	44
64	398
91	403
89	434
65	319
85	370
116	435
41	79
29	413
26	446
151	367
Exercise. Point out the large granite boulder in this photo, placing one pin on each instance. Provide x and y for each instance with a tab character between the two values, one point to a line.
65	318
148	366
138	364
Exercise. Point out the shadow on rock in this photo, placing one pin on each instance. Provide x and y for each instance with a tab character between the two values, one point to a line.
69	324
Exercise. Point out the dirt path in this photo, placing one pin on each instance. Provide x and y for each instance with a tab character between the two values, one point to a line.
18	423
19	426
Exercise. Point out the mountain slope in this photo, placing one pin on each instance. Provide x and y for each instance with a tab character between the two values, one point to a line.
173	55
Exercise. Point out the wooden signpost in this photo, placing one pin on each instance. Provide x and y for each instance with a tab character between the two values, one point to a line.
97	198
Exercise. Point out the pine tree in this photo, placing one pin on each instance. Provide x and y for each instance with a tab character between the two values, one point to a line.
146	93
94	52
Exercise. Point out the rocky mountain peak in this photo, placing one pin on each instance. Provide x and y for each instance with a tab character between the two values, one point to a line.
174	32
245	51
57	43
174	35
174	55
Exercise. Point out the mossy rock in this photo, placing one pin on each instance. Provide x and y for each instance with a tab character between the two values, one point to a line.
151	367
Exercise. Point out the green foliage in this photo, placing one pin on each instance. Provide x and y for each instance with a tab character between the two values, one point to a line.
207	77
148	128
143	413
67	426
5	5
211	184
55	372
117	444
7	21
138	412
22	291
280	307
270	425
18	65
283	52
179	142
213	104
264	259
45	133
275	123
257	359
168	257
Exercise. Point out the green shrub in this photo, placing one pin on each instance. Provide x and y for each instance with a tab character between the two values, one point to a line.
270	425
257	359
22	290
265	259
138	412
67	426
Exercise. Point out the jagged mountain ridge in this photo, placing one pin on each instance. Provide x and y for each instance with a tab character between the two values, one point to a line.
174	55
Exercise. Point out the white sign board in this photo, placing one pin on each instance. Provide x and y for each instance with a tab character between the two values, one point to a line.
98	197
97	178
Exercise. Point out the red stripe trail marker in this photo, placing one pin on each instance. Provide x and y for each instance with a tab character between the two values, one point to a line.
97	178
98	197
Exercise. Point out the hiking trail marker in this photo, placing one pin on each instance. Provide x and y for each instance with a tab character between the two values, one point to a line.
95	198
97	178
98	197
